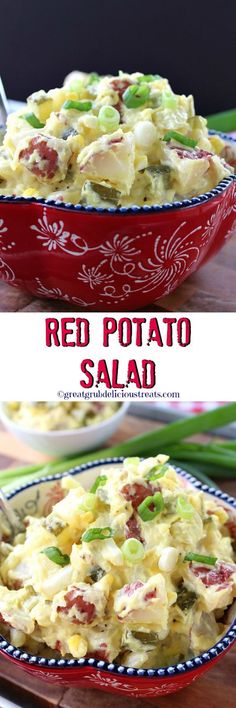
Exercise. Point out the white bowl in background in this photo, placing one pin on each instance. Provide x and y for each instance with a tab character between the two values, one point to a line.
65	442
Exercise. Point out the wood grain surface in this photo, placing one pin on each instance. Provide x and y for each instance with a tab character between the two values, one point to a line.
214	690
211	289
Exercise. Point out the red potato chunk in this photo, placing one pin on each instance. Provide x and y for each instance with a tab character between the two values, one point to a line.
191	154
120	85
131	588
219	575
46	157
110	159
137	492
85	612
132	529
144	602
82	602
189	169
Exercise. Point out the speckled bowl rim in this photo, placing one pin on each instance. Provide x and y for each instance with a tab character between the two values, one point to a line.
132	210
162	672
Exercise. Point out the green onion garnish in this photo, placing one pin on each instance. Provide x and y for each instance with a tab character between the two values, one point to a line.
33	120
218	465
87	502
132	461
184	508
97	534
147	78
209	560
93	78
136	95
108	118
132	550
77	105
168	100
144	510
56	556
173	135
99	482
76	85
157	472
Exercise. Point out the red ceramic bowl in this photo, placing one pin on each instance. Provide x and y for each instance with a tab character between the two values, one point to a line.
111	259
39	496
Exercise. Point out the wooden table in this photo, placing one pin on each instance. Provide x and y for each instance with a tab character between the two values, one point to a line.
215	689
211	289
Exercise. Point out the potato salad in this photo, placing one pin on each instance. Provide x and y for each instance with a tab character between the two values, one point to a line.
110	141
66	415
139	569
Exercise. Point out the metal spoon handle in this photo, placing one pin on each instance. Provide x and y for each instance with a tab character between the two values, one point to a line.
3	105
9	514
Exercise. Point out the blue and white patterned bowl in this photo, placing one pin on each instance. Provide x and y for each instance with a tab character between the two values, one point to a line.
37	498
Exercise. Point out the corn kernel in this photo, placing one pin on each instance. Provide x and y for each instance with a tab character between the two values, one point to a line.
77	646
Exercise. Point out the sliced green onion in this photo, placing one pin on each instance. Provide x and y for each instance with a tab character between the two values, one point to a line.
108	118
33	120
132	550
93	78
97	534
99	482
157	472
87	502
147	444
131	461
184	508
147	78
169	100
144	510
173	135
56	556
76	85
136	95
209	560
78	105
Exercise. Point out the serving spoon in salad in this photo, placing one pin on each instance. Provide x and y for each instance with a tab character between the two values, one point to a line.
3	105
3	111
14	524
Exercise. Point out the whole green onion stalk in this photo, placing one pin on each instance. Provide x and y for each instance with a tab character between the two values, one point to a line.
200	462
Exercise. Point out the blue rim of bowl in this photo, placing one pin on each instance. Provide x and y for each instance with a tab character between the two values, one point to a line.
111	667
135	209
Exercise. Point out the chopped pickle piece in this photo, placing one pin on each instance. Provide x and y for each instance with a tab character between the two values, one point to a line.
94	194
54	524
97	573
157	171
185	598
146	637
68	133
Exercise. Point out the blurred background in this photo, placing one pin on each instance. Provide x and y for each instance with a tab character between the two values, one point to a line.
192	44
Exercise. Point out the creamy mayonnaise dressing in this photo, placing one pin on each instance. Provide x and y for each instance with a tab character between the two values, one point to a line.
108	141
107	573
